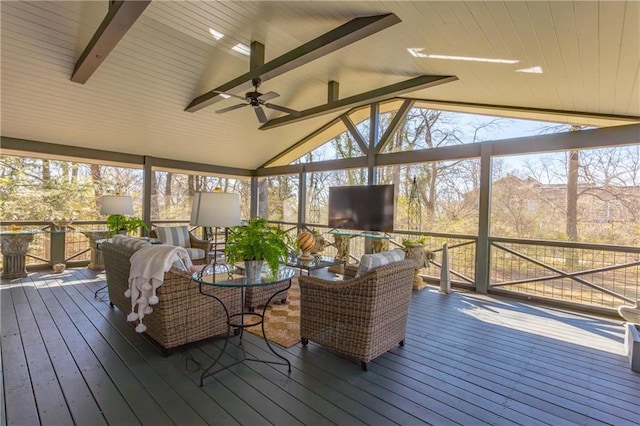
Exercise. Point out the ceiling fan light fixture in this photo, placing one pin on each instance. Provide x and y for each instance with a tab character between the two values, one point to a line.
215	34
257	100
242	48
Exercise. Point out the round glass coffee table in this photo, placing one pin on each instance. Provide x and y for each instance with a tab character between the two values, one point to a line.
223	276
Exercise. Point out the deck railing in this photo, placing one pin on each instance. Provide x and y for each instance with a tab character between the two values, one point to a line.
595	275
53	244
588	275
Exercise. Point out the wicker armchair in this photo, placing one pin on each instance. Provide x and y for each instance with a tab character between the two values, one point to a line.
182	315
196	243
360	317
259	296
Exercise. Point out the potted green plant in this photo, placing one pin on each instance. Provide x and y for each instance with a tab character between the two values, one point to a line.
133	224
120	224
257	241
415	249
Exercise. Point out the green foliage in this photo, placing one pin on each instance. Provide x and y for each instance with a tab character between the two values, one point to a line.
413	242
118	222
115	223
257	241
133	224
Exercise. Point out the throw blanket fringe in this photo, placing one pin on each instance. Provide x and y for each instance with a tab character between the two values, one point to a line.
148	266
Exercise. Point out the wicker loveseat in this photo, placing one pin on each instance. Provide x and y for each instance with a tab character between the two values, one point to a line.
360	317
182	315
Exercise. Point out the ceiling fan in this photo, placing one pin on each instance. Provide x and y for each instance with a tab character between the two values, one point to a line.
257	100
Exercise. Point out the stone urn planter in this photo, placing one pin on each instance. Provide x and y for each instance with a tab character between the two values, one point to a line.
632	345
320	244
420	256
631	314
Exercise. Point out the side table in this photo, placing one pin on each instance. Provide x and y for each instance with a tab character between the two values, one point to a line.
317	263
209	277
97	261
14	247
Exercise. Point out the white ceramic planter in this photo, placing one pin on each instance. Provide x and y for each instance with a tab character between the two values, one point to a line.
632	345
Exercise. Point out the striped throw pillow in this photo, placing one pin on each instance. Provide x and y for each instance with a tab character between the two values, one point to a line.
174	236
370	261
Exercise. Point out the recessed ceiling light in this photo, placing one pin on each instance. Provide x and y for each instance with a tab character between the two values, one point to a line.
416	52
242	48
532	70
216	34
224	95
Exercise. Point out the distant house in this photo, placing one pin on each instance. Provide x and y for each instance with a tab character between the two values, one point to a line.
525	207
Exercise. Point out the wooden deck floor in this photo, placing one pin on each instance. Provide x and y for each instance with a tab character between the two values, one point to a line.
469	359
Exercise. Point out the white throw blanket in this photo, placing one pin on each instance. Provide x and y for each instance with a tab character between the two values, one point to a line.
148	266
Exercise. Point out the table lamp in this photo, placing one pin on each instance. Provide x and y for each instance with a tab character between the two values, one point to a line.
217	210
117	206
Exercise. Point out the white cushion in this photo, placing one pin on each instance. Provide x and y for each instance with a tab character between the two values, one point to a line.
195	253
370	261
174	235
132	243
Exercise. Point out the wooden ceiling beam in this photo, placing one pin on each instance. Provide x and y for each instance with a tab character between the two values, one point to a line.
342	36
121	16
376	95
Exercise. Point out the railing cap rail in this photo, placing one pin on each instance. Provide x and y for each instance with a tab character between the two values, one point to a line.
568	244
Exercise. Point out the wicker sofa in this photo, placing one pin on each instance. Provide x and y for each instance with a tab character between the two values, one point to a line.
361	317
182	315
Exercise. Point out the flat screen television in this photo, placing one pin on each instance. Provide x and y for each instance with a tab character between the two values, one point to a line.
366	208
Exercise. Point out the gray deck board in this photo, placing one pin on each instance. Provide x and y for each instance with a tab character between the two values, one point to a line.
545	369
112	403
69	358
129	371
81	404
17	390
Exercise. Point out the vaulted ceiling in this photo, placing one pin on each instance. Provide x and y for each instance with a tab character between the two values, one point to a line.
135	101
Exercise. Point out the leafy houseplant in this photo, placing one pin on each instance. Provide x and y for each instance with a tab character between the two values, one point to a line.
416	251
257	241
117	223
408	242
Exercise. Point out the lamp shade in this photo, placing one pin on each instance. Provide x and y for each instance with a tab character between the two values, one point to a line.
116	204
215	209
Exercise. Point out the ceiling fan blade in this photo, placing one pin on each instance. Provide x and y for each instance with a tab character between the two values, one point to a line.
268	96
231	108
262	117
229	95
283	109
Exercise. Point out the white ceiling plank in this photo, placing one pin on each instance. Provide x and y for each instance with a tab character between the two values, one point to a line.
563	17
611	24
628	69
554	73
586	17
135	101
